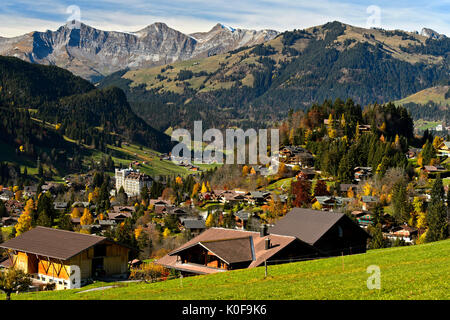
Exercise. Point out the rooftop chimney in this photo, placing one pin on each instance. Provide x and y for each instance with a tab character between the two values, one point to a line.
267	243
263	230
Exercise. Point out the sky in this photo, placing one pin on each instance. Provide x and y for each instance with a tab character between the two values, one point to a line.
18	17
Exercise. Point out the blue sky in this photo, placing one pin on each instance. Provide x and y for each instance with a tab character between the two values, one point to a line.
21	16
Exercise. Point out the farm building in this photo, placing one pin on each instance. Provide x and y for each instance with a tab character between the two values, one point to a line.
219	249
66	258
301	234
331	233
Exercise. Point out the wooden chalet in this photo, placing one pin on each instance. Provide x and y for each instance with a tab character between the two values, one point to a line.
68	259
331	233
301	234
218	250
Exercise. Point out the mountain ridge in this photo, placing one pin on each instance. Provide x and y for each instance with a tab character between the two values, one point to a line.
93	53
257	85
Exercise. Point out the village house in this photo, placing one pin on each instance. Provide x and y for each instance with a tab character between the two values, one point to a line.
345	187
362	173
6	195
413	153
404	232
219	250
301	234
257	197
194	225
364	218
329	202
132	181
241	218
362	128
29	191
120	213
67	259
296	155
231	196
369	202
444	149
331	233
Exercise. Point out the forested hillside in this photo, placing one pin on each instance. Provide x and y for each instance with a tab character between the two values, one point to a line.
50	114
256	86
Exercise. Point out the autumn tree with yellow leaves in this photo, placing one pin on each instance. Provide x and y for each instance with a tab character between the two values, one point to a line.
75	213
87	218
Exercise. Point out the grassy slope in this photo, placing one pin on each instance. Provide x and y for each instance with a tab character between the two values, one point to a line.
416	272
434	94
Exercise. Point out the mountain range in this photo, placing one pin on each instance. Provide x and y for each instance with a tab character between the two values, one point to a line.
239	77
256	86
93	54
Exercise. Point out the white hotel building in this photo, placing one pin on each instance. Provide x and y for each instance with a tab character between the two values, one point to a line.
132	181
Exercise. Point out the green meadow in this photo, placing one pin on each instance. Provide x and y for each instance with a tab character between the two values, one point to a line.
413	272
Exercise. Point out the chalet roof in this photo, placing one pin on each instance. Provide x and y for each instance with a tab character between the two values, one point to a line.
369	199
259	194
243	215
52	243
118	214
226	235
194	224
306	224
229	250
124	208
324	200
60	205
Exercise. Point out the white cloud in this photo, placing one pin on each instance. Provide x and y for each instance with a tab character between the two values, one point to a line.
201	15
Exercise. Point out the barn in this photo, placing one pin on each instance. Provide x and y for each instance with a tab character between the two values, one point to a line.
67	259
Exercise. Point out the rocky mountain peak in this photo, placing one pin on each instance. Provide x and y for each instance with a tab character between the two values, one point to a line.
430	33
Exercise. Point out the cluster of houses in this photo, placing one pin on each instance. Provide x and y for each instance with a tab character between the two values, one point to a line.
296	156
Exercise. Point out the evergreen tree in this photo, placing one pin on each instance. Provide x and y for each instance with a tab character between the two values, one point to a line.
437	214
65	223
3	211
43	219
377	240
401	205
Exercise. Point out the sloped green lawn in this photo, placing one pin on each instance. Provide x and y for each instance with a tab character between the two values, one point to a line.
414	272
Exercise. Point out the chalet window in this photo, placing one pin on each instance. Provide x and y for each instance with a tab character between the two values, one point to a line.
340	232
100	250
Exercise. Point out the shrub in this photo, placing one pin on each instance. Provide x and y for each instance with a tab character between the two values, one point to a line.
149	272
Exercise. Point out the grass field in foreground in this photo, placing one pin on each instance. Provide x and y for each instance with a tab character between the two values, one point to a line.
414	272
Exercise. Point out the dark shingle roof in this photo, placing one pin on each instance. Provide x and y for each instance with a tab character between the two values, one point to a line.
306	224
232	250
53	243
226	235
194	224
229	250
